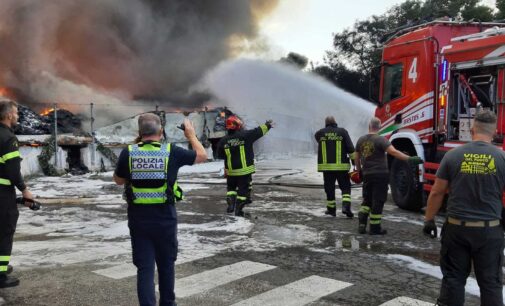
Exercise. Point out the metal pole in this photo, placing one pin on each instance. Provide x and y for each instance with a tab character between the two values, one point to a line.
93	145
55	112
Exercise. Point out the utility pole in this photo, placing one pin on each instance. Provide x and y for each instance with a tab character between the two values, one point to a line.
93	144
55	112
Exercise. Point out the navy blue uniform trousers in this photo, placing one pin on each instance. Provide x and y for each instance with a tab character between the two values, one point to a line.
153	231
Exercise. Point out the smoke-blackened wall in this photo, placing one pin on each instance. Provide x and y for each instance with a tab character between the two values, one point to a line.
63	49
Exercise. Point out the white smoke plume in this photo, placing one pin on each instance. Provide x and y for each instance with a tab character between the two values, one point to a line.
298	102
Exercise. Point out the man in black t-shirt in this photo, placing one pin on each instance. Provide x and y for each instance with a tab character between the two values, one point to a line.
370	159
474	176
149	171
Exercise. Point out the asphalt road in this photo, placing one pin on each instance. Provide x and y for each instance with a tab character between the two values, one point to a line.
286	252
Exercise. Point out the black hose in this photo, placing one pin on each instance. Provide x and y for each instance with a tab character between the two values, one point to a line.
271	182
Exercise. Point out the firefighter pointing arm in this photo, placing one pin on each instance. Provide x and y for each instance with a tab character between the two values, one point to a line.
237	151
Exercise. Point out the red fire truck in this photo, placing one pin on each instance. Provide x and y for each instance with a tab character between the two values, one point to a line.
433	78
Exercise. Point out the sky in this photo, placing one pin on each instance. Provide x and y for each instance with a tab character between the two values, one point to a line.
306	26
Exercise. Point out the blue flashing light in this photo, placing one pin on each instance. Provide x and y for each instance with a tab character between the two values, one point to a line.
444	70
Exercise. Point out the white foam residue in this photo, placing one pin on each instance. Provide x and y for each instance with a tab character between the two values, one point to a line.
211	167
471	284
232	224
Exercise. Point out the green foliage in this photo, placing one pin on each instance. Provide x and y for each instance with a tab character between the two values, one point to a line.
295	59
45	156
107	152
357	50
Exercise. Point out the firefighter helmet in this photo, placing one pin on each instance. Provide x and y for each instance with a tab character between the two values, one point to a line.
355	177
233	123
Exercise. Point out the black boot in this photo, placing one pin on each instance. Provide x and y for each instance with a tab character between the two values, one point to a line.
346	209
376	229
362	219
8	281
332	211
248	196
231	201
239	207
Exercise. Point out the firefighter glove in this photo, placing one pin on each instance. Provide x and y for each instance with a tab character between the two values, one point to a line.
269	123
430	228
32	204
415	160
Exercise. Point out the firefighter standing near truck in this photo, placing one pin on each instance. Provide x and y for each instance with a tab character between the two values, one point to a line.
237	151
370	159
335	148
10	179
474	176
149	170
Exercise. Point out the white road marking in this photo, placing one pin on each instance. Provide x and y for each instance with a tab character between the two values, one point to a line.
119	271
210	279
300	292
128	269
406	301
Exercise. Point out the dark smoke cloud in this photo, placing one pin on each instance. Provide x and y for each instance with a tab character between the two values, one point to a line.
132	48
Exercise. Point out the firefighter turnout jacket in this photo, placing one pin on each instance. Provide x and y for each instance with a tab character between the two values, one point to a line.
148	163
237	150
334	149
10	161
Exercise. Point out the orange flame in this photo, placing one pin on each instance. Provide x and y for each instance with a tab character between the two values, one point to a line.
46	111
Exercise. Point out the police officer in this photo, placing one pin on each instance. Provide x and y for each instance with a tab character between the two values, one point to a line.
334	149
237	151
370	159
10	178
474	176
149	170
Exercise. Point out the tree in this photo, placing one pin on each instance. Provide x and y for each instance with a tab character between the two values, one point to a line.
295	59
356	51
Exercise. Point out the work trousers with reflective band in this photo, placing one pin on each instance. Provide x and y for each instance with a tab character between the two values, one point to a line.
463	247
375	193
154	242
238	185
8	219
344	183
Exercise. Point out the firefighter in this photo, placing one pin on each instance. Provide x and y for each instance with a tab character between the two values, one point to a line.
149	170
370	159
237	151
474	176
10	179
334	149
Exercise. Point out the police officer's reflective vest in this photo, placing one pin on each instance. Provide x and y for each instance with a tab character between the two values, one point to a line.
148	174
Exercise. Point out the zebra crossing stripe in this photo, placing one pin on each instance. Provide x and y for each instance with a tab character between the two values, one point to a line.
210	279
119	271
128	269
406	301
300	292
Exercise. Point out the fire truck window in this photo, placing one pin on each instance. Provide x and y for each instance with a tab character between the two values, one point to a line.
393	76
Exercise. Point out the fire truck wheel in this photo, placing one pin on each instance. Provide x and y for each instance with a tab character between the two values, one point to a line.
405	185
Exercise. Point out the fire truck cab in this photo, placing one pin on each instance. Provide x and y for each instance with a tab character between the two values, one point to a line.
433	78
